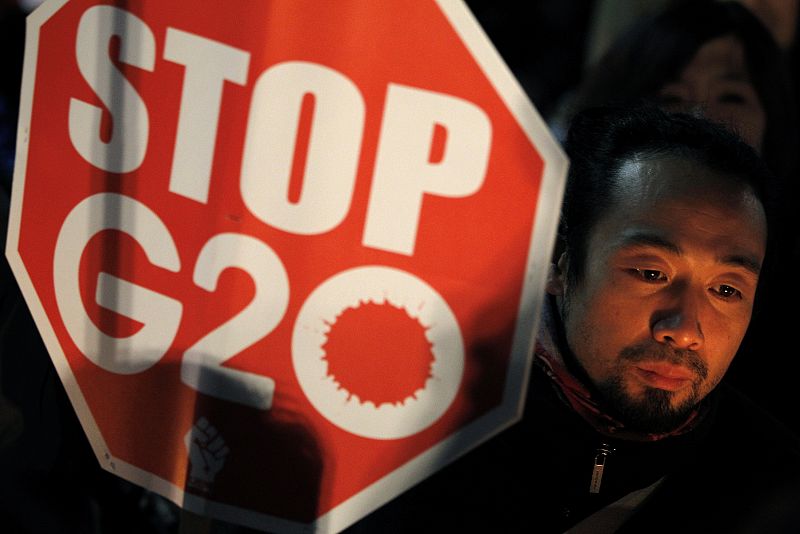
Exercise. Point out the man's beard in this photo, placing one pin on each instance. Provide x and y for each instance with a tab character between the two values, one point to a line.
652	411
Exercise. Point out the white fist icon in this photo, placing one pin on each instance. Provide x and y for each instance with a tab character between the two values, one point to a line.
207	451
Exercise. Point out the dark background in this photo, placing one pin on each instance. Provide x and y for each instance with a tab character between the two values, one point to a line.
50	482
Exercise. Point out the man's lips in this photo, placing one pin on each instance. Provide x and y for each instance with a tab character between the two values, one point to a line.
664	375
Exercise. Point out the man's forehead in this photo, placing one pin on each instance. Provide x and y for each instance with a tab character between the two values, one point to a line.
675	196
657	178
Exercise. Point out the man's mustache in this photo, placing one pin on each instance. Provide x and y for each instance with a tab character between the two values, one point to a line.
662	353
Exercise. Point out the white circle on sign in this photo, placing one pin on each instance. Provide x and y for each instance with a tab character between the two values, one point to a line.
379	285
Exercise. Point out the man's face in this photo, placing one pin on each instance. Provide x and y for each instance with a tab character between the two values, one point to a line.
667	290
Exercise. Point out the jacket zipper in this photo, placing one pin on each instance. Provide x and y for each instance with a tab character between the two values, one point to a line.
601	455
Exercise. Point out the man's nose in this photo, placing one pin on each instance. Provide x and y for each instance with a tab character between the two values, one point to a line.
679	325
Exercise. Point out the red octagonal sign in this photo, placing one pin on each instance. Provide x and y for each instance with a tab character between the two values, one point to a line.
287	257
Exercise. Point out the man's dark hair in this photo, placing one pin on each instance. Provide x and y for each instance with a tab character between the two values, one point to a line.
601	139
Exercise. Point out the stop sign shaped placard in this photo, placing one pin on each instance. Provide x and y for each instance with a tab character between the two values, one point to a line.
287	257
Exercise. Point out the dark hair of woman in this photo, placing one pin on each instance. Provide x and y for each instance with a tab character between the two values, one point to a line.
653	52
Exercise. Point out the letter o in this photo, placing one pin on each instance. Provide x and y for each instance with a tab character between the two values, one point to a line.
378	284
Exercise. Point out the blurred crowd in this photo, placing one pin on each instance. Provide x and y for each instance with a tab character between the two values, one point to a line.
732	61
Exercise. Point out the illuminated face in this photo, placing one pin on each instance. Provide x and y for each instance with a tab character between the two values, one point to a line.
667	291
717	85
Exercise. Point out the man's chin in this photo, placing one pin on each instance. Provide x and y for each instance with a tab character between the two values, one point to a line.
650	409
664	398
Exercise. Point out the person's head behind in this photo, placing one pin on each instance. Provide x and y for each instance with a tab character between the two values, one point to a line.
662	236
709	57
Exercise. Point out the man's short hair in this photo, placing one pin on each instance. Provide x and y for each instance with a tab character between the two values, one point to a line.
601	139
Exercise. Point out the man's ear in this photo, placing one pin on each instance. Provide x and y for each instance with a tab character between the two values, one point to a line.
557	275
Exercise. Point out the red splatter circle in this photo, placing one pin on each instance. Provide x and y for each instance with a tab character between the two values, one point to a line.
378	353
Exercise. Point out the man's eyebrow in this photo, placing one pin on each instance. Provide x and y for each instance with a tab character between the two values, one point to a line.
745	261
641	239
748	263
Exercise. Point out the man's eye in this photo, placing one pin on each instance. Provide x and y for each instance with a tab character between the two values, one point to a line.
727	292
650	275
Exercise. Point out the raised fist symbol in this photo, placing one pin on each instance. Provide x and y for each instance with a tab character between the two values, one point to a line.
207	451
